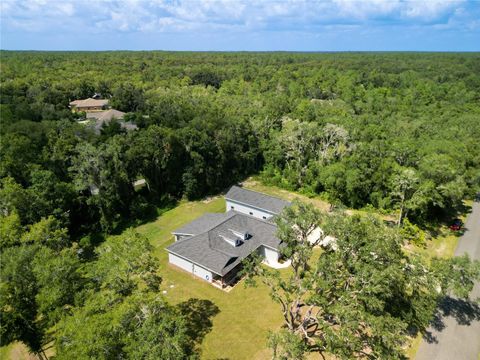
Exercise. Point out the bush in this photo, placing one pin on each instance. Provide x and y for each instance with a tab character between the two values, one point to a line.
412	233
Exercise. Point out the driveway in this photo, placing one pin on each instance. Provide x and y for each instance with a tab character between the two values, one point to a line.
455	333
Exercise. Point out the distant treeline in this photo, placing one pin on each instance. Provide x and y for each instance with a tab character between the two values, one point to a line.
389	130
396	131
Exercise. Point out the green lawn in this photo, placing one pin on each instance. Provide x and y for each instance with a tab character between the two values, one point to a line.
5	351
253	183
16	351
246	314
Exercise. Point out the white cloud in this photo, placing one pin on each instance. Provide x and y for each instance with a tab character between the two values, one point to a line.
213	15
367	8
428	9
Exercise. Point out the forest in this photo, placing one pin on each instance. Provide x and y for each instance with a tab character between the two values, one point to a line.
394	132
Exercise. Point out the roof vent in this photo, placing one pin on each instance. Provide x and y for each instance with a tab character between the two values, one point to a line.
244	235
233	242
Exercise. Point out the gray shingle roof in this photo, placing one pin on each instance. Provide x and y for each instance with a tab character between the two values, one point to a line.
106	115
88	103
258	200
210	250
97	119
202	224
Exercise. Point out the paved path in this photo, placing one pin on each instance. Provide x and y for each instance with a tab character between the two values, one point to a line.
456	336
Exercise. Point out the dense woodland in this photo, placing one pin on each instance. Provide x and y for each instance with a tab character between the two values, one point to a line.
396	132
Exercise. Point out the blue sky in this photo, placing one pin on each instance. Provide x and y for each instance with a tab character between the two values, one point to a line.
293	25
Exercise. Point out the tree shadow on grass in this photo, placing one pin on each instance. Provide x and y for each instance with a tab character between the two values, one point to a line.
464	312
199	314
143	212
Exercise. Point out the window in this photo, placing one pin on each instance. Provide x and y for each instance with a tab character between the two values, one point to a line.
251	213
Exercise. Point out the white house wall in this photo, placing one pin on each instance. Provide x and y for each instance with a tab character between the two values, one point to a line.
190	267
270	255
248	210
180	262
202	273
315	236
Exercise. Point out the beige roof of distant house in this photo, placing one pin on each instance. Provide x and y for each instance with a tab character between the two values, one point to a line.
89	103
106	115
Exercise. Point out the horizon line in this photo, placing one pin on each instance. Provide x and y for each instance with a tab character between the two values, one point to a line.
249	51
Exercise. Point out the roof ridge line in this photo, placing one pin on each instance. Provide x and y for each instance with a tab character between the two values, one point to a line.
218	250
259	192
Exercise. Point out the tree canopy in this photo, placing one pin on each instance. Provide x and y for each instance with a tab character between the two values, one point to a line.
360	298
394	131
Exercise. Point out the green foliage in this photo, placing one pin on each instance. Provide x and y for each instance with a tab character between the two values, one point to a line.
286	346
296	229
18	308
390	131
10	230
412	233
125	263
158	331
140	327
40	278
47	232
59	279
347	126
128	98
123	315
364	295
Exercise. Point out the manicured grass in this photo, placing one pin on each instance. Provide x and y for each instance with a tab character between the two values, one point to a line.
5	351
411	351
255	183
245	314
445	242
16	351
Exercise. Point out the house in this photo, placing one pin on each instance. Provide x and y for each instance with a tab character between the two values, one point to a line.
253	203
213	246
99	118
96	119
89	105
106	115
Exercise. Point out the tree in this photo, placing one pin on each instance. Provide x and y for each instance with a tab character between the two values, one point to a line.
139	326
156	330
334	143
295	228
128	98
125	263
111	128
18	308
59	278
47	232
287	346
404	186
11	230
157	155
40	276
123	315
103	172
362	297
